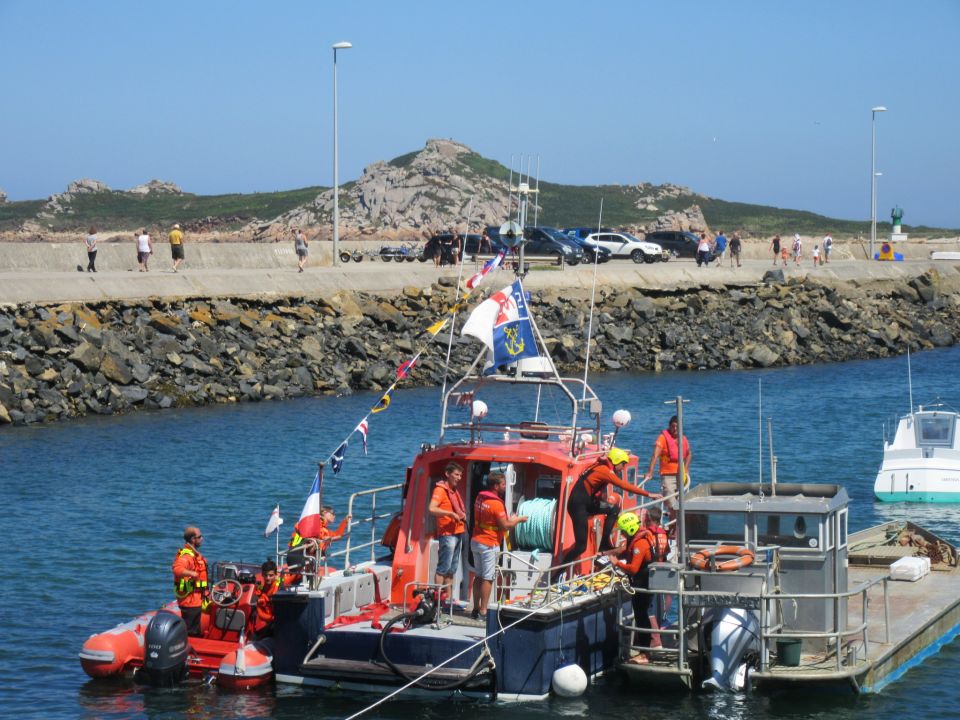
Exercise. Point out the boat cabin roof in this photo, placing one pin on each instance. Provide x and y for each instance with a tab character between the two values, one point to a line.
807	498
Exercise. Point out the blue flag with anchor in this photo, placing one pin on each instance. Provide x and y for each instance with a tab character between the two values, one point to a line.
336	460
502	323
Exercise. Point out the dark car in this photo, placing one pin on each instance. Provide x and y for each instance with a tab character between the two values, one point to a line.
589	248
550	241
678	243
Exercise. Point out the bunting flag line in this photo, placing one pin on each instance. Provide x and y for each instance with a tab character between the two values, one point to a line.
363	428
488	266
336	460
407	367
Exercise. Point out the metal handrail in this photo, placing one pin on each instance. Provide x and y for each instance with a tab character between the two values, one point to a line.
372	520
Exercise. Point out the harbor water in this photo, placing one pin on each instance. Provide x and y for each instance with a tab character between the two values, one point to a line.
93	511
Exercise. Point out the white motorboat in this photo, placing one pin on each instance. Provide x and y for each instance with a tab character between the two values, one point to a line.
922	461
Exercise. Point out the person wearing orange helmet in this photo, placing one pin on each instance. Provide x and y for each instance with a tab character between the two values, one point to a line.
588	497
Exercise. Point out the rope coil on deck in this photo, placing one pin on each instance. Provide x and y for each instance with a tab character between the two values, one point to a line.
537	532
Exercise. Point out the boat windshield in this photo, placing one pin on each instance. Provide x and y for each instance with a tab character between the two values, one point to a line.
935	430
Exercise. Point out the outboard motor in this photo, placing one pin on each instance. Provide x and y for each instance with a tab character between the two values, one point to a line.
165	656
736	633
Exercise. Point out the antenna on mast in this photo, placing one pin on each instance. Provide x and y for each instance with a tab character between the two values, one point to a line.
910	379
593	295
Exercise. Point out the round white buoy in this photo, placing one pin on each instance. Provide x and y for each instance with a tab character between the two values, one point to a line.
621	418
569	681
479	409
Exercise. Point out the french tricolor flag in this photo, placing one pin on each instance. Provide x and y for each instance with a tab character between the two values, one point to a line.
309	524
488	266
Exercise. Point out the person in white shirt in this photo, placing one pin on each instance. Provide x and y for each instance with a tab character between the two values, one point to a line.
816	255
827	246
144	250
797	249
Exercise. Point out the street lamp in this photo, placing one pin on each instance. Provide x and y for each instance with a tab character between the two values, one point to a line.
873	175
336	158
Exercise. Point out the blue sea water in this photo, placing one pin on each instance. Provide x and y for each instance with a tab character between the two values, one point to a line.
93	510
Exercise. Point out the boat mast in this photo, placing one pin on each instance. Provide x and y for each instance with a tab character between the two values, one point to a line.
910	379
593	296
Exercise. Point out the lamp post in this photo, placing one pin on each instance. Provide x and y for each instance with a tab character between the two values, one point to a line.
336	158
873	175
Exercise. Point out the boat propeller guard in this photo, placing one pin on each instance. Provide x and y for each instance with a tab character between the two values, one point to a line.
706	559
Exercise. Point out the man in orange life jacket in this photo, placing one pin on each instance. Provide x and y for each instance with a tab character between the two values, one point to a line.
446	505
588	498
263	620
667	450
645	544
490	524
190	580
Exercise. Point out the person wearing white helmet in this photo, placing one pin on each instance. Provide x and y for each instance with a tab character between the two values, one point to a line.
589	497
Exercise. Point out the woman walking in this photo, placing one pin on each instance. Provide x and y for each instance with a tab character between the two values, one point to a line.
91	243
300	246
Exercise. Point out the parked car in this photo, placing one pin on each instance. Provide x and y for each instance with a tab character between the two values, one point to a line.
583	232
678	243
550	241
590	248
625	245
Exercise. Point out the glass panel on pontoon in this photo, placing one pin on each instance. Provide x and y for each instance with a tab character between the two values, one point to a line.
935	430
789	530
710	528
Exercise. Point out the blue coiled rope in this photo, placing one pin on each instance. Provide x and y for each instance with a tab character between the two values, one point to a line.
537	532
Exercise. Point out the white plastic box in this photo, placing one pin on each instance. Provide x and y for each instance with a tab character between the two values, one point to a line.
910	569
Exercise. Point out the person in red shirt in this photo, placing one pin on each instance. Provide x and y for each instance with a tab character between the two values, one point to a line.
446	505
270	583
666	449
588	497
190	580
646	543
490	525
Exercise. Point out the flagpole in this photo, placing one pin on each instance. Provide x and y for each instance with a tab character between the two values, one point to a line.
277	536
456	301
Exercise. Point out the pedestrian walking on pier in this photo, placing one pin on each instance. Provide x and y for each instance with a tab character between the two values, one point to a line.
91	243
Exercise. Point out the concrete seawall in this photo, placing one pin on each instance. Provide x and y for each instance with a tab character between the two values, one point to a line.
47	272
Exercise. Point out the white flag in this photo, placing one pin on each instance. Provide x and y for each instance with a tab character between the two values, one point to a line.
274	523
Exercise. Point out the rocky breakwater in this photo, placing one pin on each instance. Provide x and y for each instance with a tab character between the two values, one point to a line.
70	360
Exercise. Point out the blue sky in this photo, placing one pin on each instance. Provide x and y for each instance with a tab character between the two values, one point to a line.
753	101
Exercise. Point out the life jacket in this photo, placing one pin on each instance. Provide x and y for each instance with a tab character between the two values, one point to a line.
478	514
673	447
184	587
659	542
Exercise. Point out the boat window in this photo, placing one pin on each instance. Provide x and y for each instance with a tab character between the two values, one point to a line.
936	431
789	530
715	527
548	486
842	530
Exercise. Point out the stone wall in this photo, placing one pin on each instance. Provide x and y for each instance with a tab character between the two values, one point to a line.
70	360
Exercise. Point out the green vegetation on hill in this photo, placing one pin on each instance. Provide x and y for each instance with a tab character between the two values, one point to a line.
122	210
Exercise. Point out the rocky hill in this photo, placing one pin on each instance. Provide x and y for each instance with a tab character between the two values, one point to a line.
443	185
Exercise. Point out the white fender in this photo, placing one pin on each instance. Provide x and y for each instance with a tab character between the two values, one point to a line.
569	681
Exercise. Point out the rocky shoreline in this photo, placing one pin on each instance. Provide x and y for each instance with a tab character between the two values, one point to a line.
70	360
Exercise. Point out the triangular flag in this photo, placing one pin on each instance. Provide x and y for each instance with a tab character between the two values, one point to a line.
437	326
384	402
274	522
488	266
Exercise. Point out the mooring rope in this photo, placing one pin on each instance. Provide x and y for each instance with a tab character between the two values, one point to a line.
537	532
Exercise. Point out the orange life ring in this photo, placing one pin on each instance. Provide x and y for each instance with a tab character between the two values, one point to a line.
702	560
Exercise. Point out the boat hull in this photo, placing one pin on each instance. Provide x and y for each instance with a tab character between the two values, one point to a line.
913	483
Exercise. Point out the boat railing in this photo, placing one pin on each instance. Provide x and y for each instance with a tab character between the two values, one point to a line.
545	586
531	430
372	540
313	560
772	629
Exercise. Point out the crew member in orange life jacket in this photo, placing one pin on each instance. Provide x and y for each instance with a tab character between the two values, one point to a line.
262	621
190	580
645	544
667	450
588	497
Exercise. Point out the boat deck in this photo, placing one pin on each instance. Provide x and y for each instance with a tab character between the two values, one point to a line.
923	615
